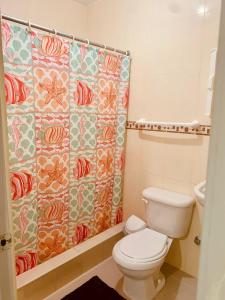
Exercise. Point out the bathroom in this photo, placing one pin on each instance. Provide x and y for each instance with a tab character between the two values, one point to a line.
166	55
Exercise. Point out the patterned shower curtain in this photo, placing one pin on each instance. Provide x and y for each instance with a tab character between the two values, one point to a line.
66	109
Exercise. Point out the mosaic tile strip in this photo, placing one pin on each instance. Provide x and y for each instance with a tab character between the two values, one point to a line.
201	130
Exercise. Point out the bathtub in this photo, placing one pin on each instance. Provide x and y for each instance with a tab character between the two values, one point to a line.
39	271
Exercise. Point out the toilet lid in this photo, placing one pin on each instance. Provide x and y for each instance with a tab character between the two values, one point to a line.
144	245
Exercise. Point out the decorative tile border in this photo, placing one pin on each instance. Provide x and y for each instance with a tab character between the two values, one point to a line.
201	130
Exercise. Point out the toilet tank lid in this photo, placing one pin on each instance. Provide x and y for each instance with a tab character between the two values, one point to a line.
167	197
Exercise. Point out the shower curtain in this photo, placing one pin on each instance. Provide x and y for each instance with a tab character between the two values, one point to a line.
66	110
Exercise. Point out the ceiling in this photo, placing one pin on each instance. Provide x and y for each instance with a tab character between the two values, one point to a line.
85	1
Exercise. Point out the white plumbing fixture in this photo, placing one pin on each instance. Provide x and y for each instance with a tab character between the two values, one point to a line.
199	191
140	255
134	224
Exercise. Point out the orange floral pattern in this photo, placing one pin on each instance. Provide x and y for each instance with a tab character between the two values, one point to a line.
51	90
108	93
52	243
55	173
105	163
54	91
52	173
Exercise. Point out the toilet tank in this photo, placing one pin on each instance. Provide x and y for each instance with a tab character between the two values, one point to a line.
168	212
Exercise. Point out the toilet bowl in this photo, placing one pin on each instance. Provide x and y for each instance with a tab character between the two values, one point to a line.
141	253
139	256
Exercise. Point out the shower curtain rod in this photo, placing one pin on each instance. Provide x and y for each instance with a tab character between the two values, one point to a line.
69	36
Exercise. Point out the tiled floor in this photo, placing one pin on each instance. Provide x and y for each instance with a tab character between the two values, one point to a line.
179	285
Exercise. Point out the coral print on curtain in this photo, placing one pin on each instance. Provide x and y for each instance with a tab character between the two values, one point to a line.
66	106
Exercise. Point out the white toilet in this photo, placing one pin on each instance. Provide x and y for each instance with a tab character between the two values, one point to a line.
141	253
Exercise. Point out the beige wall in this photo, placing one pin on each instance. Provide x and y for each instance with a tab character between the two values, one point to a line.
170	44
67	16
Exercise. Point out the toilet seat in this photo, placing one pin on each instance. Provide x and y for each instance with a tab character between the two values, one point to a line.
145	245
143	250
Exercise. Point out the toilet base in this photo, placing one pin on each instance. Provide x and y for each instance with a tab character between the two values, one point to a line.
144	289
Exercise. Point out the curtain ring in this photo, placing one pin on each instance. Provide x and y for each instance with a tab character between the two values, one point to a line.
29	29
72	38
54	32
105	47
88	42
127	53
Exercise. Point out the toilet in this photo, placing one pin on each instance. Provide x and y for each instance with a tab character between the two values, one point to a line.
141	253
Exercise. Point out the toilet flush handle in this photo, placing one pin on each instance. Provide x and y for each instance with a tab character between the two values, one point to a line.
145	201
